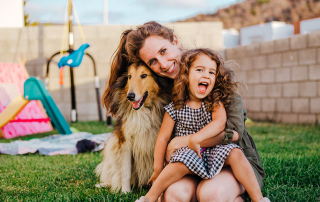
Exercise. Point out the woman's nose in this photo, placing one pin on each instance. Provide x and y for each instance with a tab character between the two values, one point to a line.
163	63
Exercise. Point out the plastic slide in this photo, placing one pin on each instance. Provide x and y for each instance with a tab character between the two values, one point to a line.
12	110
34	89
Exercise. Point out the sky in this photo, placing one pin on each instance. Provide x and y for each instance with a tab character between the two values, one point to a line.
122	11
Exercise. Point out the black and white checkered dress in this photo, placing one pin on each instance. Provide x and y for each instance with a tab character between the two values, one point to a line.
189	121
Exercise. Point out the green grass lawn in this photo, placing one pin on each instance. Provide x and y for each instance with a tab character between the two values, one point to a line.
290	155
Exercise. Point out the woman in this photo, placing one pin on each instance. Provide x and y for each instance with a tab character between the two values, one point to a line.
158	47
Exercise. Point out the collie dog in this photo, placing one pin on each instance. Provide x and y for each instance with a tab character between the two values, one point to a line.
128	155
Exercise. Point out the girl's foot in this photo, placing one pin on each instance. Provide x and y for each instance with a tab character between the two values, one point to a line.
142	199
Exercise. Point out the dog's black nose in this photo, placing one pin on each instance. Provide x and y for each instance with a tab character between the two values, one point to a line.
131	96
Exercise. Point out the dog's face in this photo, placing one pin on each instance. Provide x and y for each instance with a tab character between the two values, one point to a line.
141	87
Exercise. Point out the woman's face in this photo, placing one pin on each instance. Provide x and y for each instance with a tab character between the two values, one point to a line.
161	55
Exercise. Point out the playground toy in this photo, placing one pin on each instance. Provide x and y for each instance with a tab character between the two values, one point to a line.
34	89
74	60
19	118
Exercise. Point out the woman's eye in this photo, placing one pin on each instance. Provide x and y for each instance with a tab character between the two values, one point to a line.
199	70
211	72
163	51
143	76
151	62
129	77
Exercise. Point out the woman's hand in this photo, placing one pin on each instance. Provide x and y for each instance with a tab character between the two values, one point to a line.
175	144
153	177
194	144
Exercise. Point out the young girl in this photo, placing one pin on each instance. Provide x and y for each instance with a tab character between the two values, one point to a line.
201	92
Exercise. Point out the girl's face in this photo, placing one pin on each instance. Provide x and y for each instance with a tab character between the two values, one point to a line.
202	77
161	55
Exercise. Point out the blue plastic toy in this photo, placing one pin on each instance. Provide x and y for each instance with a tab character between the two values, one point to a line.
73	59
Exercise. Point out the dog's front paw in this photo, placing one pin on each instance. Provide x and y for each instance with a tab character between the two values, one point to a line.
126	189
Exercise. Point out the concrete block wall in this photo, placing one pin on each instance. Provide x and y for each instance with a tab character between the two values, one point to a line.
282	78
35	45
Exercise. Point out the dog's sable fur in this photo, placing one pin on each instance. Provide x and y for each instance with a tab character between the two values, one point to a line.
128	155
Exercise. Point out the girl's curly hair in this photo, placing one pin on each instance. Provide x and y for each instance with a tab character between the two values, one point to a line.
225	85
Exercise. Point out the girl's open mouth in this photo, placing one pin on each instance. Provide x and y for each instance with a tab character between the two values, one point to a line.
203	86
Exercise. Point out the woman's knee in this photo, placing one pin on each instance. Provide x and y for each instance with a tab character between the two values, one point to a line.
213	194
183	190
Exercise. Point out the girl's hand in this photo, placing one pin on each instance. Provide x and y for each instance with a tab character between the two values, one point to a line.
175	144
194	144
153	177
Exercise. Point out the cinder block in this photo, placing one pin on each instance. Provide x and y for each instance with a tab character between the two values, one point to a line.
308	56
230	53
300	105
282	74
53	32
290	90
318	88
299	73
245	102
282	45
57	96
314	39
239	51
314	72
318	50
289	118
305	118
258	116
267	47
246	63
259	62
298	41
260	91
274	60
253	76
274	90
315	105
267	76
89	31
253	49
268	105
254	105
87	108
82	96
283	105
246	90
308	89
290	59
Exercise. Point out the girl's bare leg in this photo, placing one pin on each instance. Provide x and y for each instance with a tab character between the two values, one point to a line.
183	190
223	187
244	173
169	175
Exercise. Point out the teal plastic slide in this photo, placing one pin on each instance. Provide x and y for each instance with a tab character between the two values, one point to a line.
34	89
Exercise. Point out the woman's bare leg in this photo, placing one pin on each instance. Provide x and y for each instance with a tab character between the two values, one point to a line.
221	188
169	175
183	190
244	173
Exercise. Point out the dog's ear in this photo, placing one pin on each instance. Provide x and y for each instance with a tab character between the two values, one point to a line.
121	81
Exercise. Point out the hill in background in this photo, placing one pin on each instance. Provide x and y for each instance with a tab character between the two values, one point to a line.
252	12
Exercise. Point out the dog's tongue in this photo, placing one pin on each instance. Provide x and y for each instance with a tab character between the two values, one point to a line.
136	104
202	88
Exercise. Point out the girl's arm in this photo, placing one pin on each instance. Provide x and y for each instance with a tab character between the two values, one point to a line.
161	145
214	128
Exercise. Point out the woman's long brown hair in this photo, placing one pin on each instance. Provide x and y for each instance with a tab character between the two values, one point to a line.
224	86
